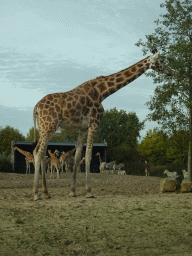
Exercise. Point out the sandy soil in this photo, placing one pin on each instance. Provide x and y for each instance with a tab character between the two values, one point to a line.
128	216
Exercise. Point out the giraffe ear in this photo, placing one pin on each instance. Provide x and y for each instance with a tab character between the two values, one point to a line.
154	51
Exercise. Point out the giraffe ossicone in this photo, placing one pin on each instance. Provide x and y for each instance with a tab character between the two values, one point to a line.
81	109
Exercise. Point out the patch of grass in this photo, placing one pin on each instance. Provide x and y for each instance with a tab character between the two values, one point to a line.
19	221
46	238
138	208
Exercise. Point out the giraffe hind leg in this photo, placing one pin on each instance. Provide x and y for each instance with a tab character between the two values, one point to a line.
79	147
44	186
88	155
39	155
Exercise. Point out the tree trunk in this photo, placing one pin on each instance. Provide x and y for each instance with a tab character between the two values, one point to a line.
190	127
190	145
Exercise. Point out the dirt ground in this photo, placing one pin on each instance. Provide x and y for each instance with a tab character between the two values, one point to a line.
128	216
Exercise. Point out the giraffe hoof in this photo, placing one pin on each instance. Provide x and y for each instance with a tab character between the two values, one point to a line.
47	196
36	197
89	195
72	194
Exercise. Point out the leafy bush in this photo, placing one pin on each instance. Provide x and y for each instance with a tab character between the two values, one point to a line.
5	162
157	170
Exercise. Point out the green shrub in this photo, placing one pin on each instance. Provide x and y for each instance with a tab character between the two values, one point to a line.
5	162
158	170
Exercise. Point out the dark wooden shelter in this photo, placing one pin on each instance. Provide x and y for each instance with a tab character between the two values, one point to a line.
19	164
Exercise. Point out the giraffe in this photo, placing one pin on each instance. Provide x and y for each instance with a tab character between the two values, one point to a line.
48	163
54	162
146	169
82	160
29	158
102	164
65	156
81	109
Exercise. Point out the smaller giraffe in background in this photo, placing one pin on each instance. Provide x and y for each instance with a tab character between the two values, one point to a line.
102	164
80	163
146	169
65	156
48	163
29	159
82	160
54	162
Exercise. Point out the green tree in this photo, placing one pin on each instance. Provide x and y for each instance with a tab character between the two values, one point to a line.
61	135
121	132
30	134
153	147
7	135
64	135
177	147
172	102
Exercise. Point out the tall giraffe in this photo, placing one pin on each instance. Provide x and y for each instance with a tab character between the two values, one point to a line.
65	155
81	109
29	158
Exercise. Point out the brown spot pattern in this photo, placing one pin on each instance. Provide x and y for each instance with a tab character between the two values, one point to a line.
82	100
89	102
101	87
119	79
112	90
93	112
94	94
50	97
86	87
72	111
110	84
141	70
57	107
127	73
73	103
69	98
78	106
133	69
93	83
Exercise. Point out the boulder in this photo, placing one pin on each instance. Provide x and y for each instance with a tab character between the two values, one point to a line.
186	186
168	185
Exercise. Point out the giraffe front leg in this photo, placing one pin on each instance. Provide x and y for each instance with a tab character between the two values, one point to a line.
51	171
27	166
88	155
44	186
57	172
79	147
36	177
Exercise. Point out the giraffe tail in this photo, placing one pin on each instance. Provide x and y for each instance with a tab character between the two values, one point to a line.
34	122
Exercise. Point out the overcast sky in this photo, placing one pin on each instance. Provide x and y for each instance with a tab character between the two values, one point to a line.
50	46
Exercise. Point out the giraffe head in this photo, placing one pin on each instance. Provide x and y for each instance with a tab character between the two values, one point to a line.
56	152
157	63
15	148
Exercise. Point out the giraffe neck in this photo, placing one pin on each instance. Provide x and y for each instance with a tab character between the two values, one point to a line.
25	153
71	151
100	160
109	84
